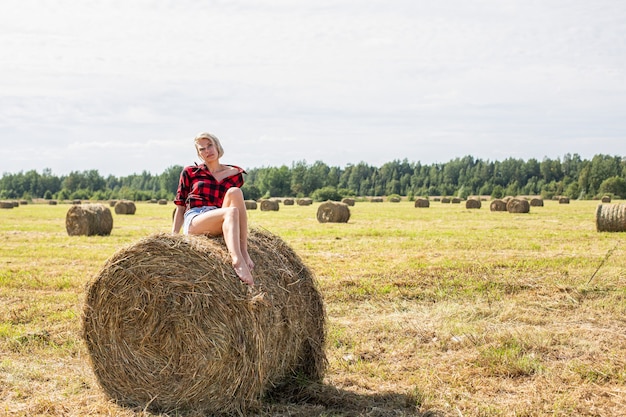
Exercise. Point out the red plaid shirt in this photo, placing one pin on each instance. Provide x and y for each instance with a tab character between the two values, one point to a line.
197	187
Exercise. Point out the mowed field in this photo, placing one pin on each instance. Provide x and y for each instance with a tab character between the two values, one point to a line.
438	311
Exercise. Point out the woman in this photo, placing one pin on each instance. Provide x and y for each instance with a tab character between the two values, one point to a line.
209	201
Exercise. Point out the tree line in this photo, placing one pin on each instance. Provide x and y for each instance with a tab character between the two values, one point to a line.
569	176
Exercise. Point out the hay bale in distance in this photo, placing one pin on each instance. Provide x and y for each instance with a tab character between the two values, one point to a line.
333	212
564	200
606	199
24	202
52	202
168	325
269	205
349	201
125	207
395	199
497	205
536	202
162	201
376	200
289	201
518	205
304	201
88	220
250	204
445	200
455	200
611	218
473	203
112	203
6	204
422	202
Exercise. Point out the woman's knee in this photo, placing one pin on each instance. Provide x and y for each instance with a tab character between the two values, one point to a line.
234	193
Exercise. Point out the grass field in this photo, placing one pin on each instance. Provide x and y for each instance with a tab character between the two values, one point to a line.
431	311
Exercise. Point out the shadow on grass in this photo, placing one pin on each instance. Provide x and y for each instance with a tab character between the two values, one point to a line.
321	400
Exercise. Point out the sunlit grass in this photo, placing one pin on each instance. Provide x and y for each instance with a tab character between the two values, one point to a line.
469	312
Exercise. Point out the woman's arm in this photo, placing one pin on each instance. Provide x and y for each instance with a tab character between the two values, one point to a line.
179	216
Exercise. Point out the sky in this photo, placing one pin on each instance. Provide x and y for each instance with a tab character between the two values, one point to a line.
124	86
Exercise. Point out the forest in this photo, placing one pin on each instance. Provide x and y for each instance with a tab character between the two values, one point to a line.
569	176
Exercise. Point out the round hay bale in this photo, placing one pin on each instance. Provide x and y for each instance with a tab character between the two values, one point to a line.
52	202
6	204
376	199
395	199
497	205
518	205
76	202
304	201
125	207
422	202
456	200
333	212
162	201
269	205
349	201
24	202
611	218
289	201
88	220
606	199
250	204
473	203
536	202
564	200
445	200
112	203
168	325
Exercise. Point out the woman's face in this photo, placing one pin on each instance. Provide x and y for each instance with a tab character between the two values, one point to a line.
207	150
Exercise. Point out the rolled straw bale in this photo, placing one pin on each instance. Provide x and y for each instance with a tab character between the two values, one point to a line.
606	199
518	205
77	202
162	201
333	212
112	203
422	202
445	200
289	201
6	204
88	220
168	325
250	204
269	205
473	203
304	201
349	201
536	202
125	207
456	200
52	202
564	200
24	202
394	199
497	205
611	218
376	199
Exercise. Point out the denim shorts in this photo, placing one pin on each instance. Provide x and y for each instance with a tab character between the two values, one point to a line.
193	212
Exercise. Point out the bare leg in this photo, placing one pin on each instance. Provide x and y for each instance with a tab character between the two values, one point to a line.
234	198
225	221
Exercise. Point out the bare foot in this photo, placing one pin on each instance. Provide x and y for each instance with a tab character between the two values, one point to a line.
249	261
244	274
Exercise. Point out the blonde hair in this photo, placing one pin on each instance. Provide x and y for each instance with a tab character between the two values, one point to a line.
212	138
